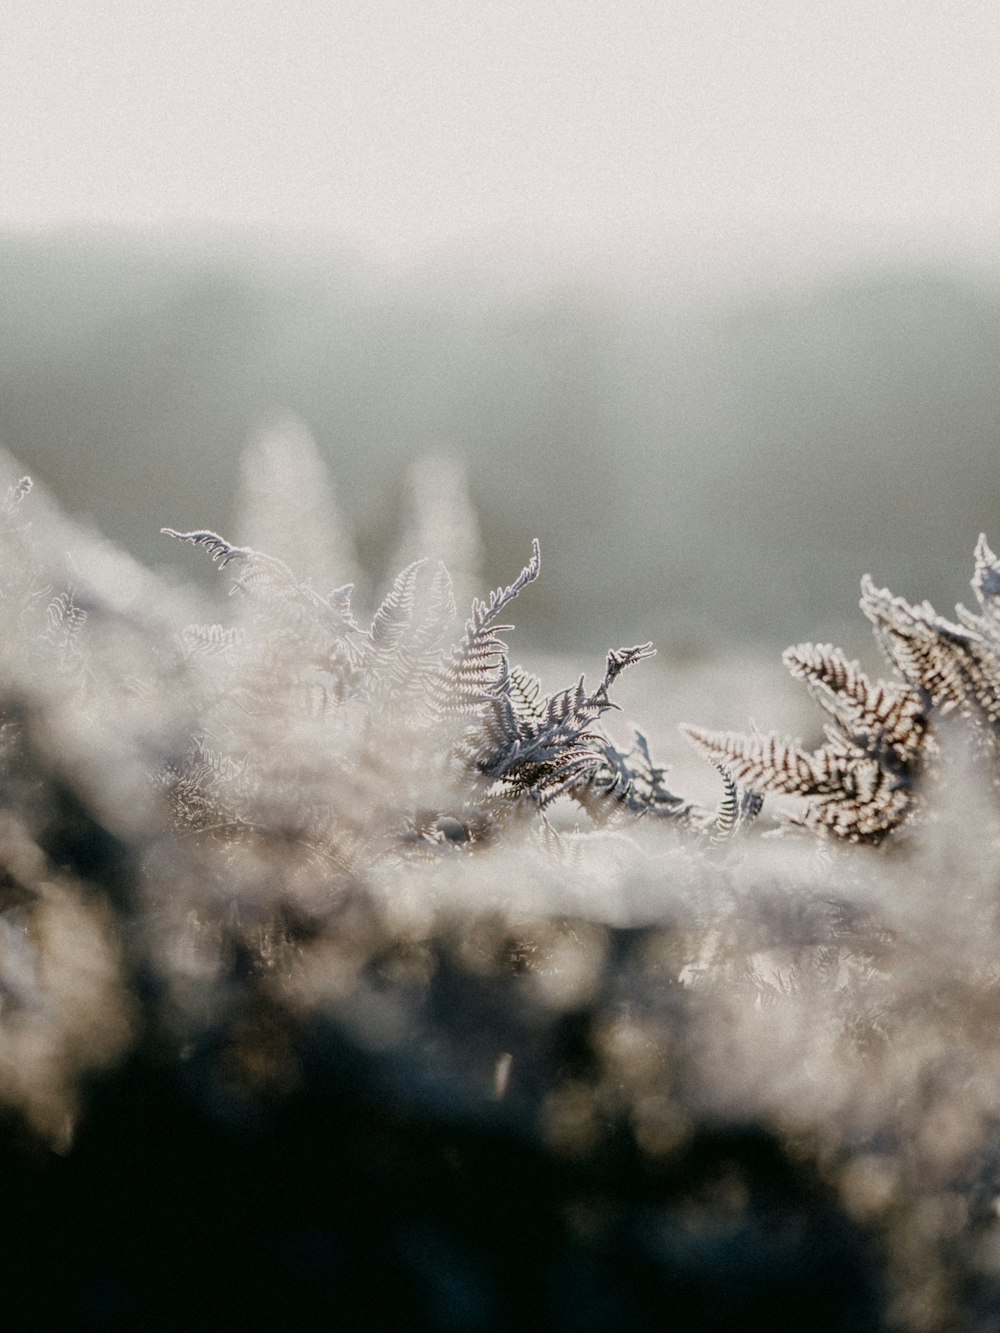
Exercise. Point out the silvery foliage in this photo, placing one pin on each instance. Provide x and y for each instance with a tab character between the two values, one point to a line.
216	822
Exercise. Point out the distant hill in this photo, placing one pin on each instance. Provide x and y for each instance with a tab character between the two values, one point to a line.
693	476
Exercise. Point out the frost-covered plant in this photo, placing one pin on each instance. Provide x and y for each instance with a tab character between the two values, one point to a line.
286	854
479	732
862	784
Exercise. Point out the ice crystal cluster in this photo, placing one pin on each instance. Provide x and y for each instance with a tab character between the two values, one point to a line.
266	852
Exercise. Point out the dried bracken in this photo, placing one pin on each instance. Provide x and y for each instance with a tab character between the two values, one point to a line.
317	915
509	744
864	782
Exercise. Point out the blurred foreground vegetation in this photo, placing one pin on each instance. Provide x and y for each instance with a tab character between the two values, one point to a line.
310	1017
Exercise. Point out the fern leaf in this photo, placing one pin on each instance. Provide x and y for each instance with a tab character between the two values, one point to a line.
620	659
219	550
478	663
395	613
434	613
339	601
954	666
525	693
847	791
555	748
986	580
630	782
260	572
757	762
209	640
737	809
66	620
871	717
914	640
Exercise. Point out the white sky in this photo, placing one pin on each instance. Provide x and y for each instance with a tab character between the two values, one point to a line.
402	126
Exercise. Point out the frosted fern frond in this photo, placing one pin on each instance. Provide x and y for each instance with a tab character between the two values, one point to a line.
272	580
219	550
760	762
209	640
979	673
736	811
872	717
619	659
393	617
914	639
555	747
209	788
862	783
402	648
986	582
66	620
522	746
530	746
478	663
631	782
434	613
954	666
263	574
525	693
418	667
340	601
847	792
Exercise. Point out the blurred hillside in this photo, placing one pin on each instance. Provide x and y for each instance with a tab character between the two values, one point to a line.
697	472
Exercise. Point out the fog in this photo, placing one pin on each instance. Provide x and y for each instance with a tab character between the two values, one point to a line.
725	470
705	299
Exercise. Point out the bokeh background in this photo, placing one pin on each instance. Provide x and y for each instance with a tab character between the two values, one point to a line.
705	295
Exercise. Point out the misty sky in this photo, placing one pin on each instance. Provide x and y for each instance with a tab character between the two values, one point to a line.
402	126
